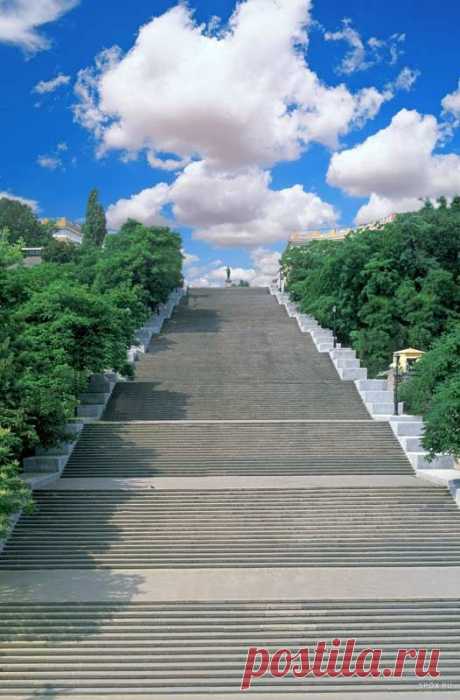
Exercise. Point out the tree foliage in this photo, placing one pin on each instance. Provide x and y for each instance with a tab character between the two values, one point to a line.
62	321
14	494
394	287
60	251
22	224
147	259
95	227
433	390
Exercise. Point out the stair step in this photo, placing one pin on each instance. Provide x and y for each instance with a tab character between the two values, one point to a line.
381	409
339	353
372	385
378	397
233	528
179	648
100	383
352	374
421	460
91	398
137	450
143	400
413	428
412	444
43	464
90	410
227	355
347	363
63	448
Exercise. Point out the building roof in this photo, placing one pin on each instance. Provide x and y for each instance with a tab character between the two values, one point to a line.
410	352
64	223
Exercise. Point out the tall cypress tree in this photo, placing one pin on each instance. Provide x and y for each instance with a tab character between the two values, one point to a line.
95	226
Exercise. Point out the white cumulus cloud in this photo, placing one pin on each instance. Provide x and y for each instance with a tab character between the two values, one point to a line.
240	208
46	86
32	203
236	208
397	166
267	264
264	268
241	96
379	208
20	21
145	206
451	103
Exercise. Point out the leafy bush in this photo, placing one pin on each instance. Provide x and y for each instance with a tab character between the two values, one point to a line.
14	493
60	252
434	391
442	420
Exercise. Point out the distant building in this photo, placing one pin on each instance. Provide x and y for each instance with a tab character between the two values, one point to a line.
66	230
337	234
304	237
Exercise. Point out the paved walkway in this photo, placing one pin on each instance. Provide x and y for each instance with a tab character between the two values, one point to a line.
236	493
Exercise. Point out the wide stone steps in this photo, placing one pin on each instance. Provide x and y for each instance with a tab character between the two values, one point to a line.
243	449
174	648
263	355
404	526
322	400
228	355
257	355
218	338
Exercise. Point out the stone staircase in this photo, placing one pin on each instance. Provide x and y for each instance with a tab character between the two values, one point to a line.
237	528
154	401
238	492
201	647
187	449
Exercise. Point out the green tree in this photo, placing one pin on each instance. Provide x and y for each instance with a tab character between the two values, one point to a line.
63	320
9	254
22	224
395	286
435	367
95	227
60	252
146	258
442	420
433	391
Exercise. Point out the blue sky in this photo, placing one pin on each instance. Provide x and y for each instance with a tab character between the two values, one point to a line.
266	142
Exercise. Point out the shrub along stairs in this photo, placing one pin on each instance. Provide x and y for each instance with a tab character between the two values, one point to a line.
236	493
